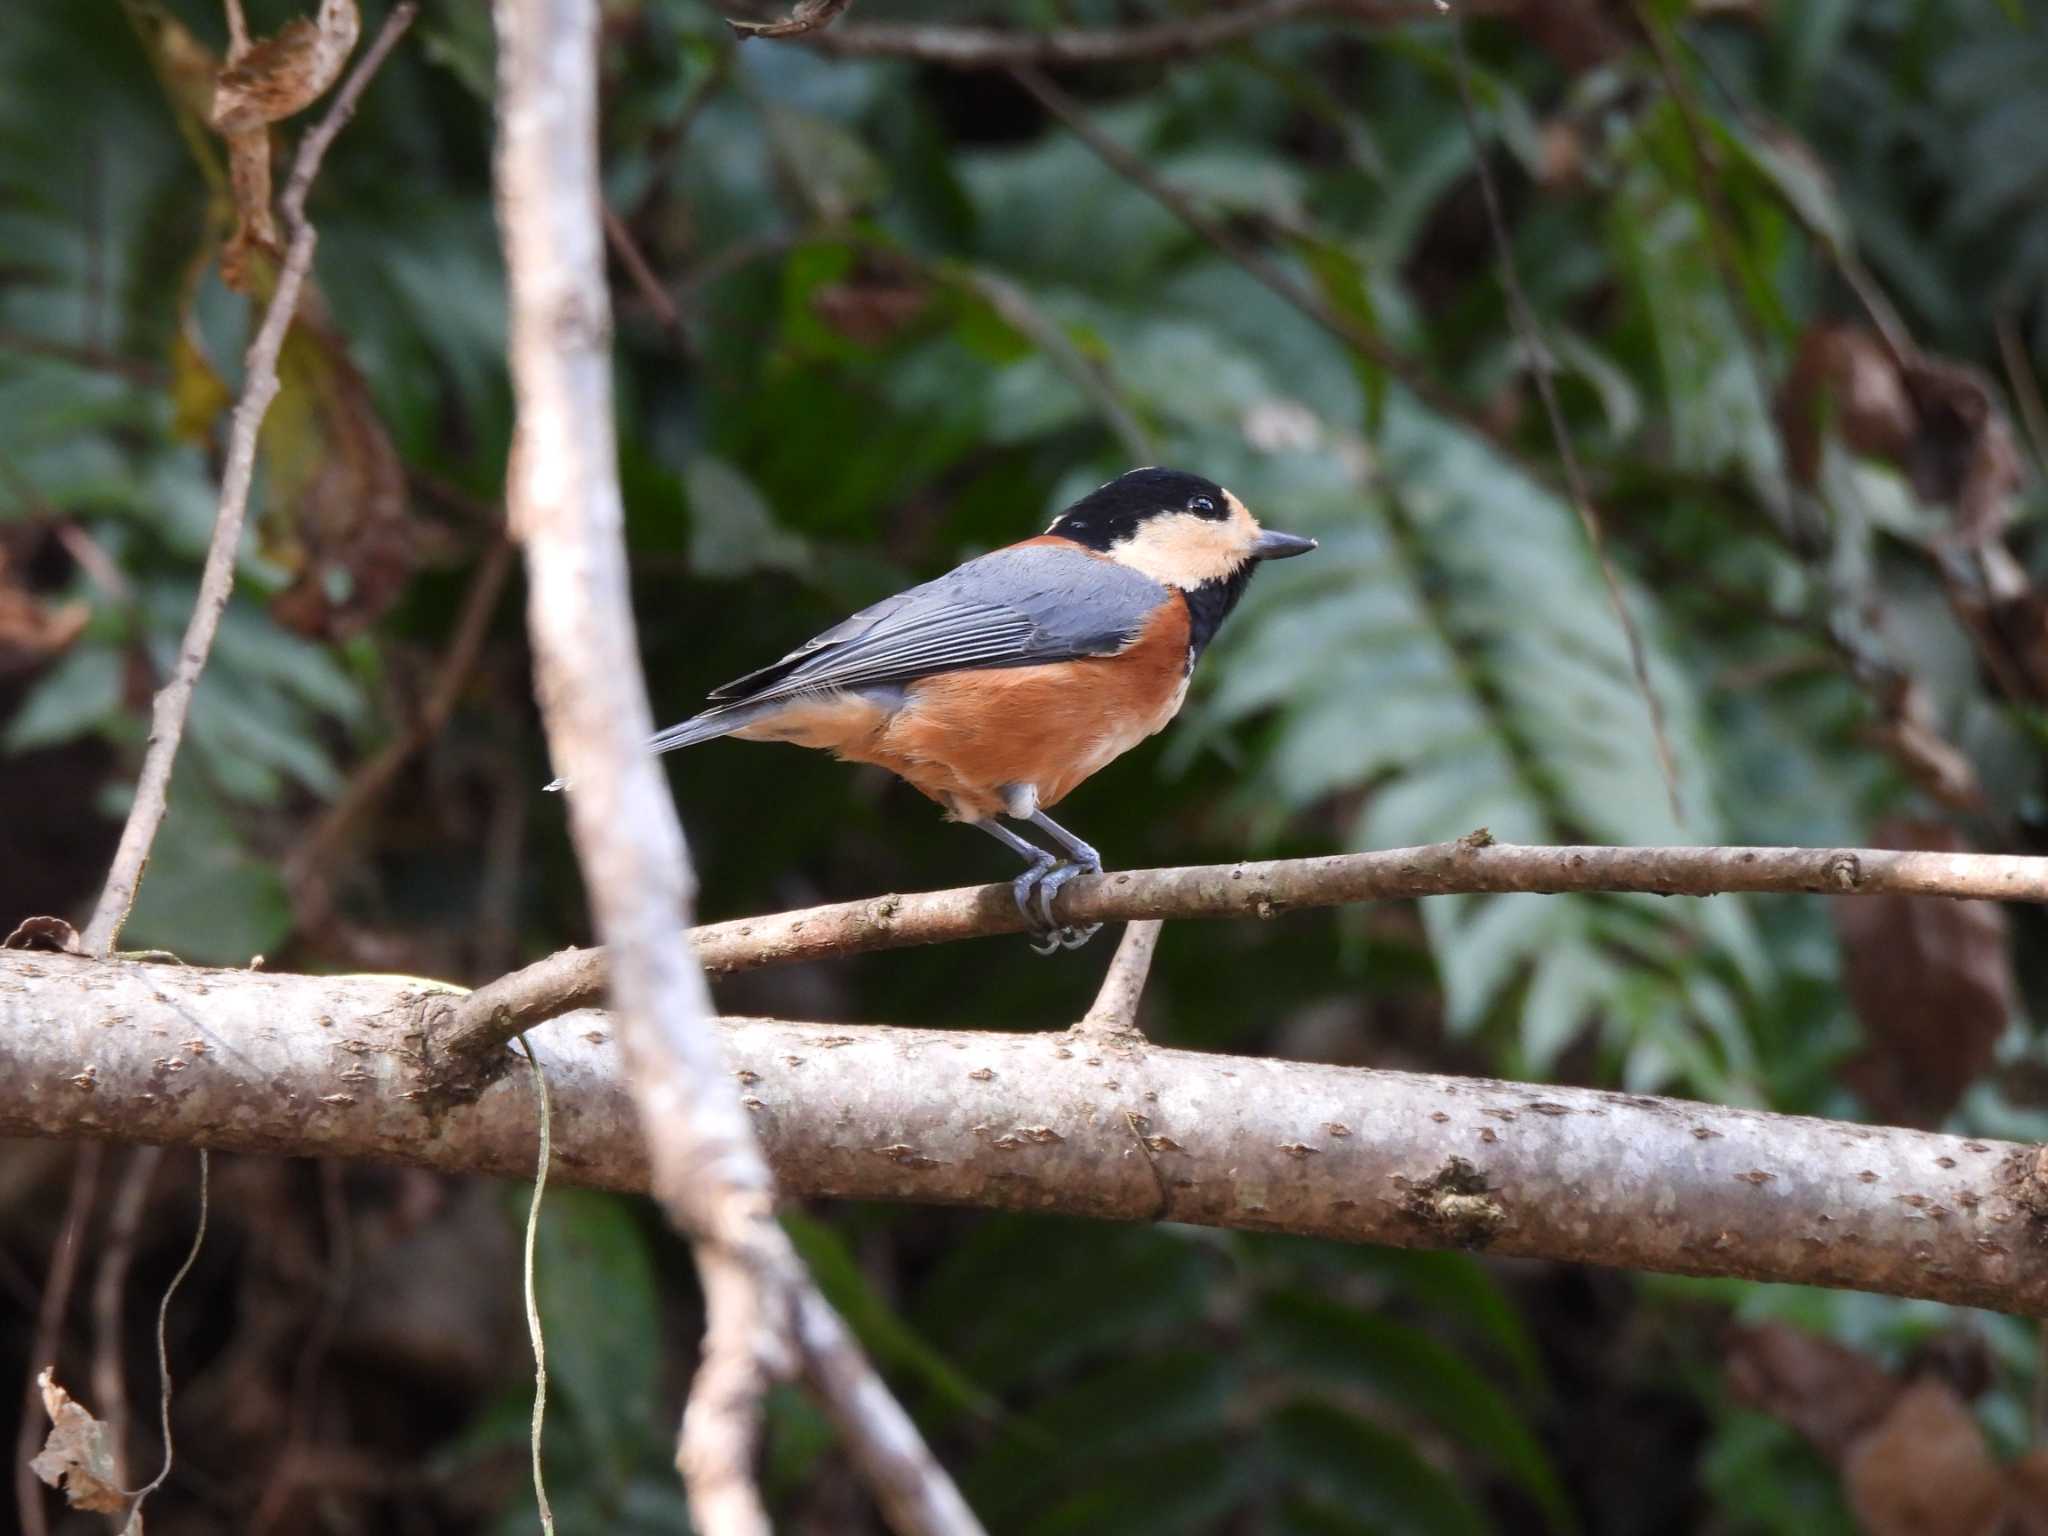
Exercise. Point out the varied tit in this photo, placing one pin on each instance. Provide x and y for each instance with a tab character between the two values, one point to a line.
1004	683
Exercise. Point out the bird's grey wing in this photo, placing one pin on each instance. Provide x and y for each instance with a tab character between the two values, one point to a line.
1028	604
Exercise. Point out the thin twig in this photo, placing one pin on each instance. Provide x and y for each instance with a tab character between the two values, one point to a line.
562	490
28	1490
620	238
564	500
1201	31
533	1330
371	781
1115	1010
1255	262
1016	309
109	1379
238	31
163	1352
2026	387
1540	364
484	1020
259	387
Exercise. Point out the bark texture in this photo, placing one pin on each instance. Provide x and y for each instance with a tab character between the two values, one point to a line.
1085	1125
488	1017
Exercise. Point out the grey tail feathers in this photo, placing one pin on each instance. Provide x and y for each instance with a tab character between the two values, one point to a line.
715	721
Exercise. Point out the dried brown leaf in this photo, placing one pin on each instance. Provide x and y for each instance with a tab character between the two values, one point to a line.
286	73
1843	378
1925	1470
255	224
1935	420
1828	1392
1932	983
31	630
44	933
78	1455
277	77
870	313
338	516
1963	454
2019	624
1908	732
2026	1509
804	16
1913	1458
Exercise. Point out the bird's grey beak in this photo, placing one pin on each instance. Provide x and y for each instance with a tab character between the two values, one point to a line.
1274	545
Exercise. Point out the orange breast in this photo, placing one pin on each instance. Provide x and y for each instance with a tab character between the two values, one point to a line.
962	737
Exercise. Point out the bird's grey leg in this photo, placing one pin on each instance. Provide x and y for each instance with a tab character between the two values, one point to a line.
1050	936
1084	861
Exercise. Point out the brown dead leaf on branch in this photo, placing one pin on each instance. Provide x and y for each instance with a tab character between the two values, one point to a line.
78	1456
283	75
337	516
336	512
1906	729
1935	420
33	631
272	80
1940	424
1913	1458
1931	983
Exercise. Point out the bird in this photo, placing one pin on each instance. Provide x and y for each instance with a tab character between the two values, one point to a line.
998	687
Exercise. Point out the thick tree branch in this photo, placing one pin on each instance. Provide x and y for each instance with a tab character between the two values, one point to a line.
492	1015
331	1066
259	387
562	492
991	48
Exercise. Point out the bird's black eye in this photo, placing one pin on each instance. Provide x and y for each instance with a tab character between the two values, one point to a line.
1202	505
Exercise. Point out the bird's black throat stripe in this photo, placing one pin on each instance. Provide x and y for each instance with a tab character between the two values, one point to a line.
1209	605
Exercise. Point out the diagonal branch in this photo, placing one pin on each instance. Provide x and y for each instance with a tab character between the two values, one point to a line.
1016	1121
763	1316
488	1017
259	387
1115	1009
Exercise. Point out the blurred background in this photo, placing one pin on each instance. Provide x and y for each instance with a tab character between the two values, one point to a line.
876	314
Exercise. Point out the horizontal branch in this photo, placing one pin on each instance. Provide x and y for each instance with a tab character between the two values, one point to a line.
959	47
1081	1124
490	1016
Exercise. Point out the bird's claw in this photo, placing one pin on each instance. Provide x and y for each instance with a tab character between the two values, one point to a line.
1053	934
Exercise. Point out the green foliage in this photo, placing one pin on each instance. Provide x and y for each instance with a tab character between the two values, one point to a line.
920	317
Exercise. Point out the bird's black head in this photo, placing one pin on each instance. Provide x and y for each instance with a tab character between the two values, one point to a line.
1182	530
